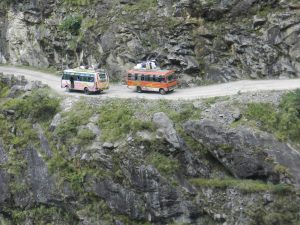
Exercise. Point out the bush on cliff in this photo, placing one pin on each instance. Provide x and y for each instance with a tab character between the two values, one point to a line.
284	121
71	24
38	106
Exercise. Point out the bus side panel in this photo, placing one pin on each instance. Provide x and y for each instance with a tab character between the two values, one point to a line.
81	85
152	86
147	85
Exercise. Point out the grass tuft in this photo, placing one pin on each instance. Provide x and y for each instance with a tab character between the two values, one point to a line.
247	186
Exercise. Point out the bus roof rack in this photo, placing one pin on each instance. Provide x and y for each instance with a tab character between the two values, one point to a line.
147	65
84	69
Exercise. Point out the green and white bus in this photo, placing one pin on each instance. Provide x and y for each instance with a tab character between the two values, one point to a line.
87	80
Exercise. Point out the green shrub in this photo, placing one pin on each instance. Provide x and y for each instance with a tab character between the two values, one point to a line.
285	122
79	115
4	90
67	170
85	136
165	165
264	113
71	24
289	116
41	215
116	120
24	134
5	126
38	106
97	209
141	5
187	112
283	211
247	186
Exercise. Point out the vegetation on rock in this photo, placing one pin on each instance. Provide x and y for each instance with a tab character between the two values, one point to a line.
107	160
284	122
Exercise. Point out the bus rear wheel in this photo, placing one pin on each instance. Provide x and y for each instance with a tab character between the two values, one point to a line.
139	90
86	91
162	91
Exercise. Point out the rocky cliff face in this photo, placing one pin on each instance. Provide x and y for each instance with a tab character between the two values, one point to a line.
205	41
69	161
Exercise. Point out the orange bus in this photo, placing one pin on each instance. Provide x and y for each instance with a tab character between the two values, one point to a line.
162	81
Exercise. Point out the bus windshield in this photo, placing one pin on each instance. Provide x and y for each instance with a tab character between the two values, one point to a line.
102	77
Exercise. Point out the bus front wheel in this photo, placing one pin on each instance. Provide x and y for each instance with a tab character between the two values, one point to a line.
139	90
162	91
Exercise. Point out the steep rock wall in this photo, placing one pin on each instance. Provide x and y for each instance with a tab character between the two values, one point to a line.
205	41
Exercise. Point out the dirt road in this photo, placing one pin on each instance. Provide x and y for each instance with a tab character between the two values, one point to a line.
121	91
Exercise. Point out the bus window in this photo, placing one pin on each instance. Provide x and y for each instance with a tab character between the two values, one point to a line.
147	78
150	78
135	77
154	78
84	78
143	77
91	79
129	76
161	79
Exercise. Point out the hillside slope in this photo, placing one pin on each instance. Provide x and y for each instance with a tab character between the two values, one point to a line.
229	160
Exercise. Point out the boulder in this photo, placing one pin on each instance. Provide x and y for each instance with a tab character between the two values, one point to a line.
108	145
223	113
165	129
245	152
15	91
258	21
118	198
151	198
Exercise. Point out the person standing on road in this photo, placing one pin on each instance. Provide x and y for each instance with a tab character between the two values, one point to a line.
72	81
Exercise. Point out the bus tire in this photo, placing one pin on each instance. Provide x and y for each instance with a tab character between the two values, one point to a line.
138	89
86	91
162	91
68	89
